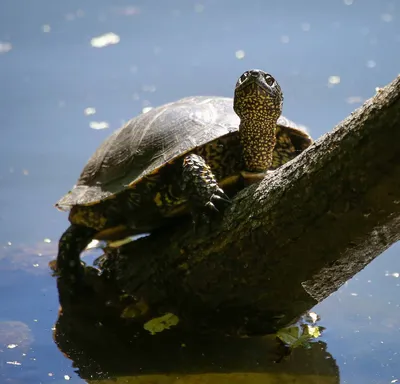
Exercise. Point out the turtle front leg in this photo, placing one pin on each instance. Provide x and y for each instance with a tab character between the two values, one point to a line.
201	187
73	241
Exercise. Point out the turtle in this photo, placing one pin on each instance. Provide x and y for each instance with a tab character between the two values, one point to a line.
185	157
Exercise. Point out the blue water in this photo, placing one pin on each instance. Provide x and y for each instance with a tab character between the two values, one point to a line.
50	73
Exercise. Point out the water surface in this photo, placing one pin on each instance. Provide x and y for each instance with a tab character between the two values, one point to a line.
328	57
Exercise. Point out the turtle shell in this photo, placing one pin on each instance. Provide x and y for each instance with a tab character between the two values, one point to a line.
149	141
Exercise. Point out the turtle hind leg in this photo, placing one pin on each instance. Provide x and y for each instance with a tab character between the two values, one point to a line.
72	242
201	188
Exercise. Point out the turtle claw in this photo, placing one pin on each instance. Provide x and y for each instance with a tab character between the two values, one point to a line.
222	194
205	196
222	199
212	206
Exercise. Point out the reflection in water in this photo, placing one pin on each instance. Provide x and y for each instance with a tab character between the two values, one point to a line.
101	344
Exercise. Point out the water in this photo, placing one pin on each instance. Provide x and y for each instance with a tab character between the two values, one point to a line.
50	73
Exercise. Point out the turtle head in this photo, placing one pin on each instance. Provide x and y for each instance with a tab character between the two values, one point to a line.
258	102
257	96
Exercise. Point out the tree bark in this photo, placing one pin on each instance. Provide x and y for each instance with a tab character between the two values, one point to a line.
285	243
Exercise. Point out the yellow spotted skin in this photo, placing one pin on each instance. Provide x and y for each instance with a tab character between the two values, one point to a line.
258	103
88	217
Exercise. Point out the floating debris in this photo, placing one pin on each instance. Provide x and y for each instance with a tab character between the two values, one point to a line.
46	28
395	274
162	323
98	125
334	80
5	47
47	241
89	111
12	346
105	40
13	363
240	54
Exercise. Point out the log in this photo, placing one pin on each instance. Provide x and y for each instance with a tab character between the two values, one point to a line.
284	244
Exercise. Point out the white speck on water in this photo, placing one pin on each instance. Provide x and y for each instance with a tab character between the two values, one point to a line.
46	28
105	40
25	172
240	54
9	243
5	47
47	240
66	377
98	125
334	80
354	294
348	2
13	363
396	274
12	346
305	27
35	265
89	111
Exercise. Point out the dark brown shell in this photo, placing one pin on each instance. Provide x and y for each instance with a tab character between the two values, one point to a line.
149	141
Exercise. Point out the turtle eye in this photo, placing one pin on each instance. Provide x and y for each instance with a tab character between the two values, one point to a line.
269	80
243	77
